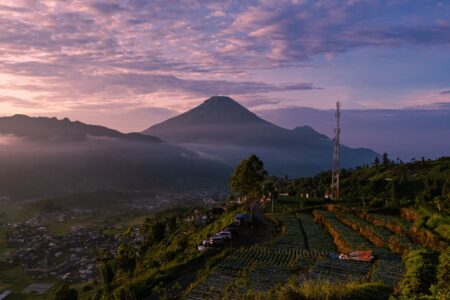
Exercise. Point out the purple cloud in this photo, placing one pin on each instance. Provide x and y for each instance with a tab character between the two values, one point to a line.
76	53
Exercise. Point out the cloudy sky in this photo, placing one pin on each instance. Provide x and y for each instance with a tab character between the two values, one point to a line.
130	63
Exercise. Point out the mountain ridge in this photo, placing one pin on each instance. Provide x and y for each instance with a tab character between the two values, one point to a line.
52	129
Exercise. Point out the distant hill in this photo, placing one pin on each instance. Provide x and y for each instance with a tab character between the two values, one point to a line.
395	131
48	157
222	129
52	129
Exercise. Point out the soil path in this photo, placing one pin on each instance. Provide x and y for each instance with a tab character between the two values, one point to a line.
261	232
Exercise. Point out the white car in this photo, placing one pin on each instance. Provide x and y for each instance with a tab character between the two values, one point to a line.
224	234
216	240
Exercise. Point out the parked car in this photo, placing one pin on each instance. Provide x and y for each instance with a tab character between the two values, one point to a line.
233	230
224	234
216	240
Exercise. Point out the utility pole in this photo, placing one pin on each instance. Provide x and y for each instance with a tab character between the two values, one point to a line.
336	147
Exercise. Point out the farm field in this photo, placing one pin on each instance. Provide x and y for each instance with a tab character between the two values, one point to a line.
306	251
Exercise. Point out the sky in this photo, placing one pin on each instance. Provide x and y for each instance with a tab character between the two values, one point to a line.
128	64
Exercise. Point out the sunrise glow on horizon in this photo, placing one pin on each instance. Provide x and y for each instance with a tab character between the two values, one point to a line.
129	64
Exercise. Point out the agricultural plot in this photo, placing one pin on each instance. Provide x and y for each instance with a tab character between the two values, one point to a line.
317	237
336	270
393	223
388	270
382	233
256	265
293	238
348	235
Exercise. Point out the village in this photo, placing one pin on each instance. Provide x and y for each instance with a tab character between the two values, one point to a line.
69	257
62	245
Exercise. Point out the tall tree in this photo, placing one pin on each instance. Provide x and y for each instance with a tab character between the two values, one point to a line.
247	179
376	162
158	232
386	160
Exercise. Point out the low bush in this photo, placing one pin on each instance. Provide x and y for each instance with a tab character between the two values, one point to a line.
420	273
332	291
441	289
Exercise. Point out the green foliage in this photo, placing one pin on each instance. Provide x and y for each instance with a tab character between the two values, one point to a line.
169	248
443	230
66	293
441	289
393	185
124	293
107	272
126	258
248	178
158	232
328	290
420	273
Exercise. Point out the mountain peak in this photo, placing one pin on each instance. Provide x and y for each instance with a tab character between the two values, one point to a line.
219	98
213	111
223	101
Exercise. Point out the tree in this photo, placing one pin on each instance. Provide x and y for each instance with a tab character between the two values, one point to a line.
386	160
376	162
158	232
247	179
107	272
66	293
126	258
172	223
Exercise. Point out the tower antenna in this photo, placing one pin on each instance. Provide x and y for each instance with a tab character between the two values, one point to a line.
336	147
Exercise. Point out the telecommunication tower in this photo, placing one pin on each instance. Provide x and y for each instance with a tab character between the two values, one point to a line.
336	145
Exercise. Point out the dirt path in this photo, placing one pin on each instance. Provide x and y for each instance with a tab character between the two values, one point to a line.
305	237
261	232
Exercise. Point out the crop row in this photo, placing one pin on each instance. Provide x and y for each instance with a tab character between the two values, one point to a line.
293	237
344	237
263	263
406	228
393	223
336	270
388	270
317	237
378	235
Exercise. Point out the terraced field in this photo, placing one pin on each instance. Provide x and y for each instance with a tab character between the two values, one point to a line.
333	270
301	252
379	236
318	239
293	238
265	267
351	240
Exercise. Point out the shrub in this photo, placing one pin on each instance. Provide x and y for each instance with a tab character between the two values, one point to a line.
344	291
443	230
441	289
420	273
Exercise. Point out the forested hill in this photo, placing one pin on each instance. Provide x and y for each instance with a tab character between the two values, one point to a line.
386	184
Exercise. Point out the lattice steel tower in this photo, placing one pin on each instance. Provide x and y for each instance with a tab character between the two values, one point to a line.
336	147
